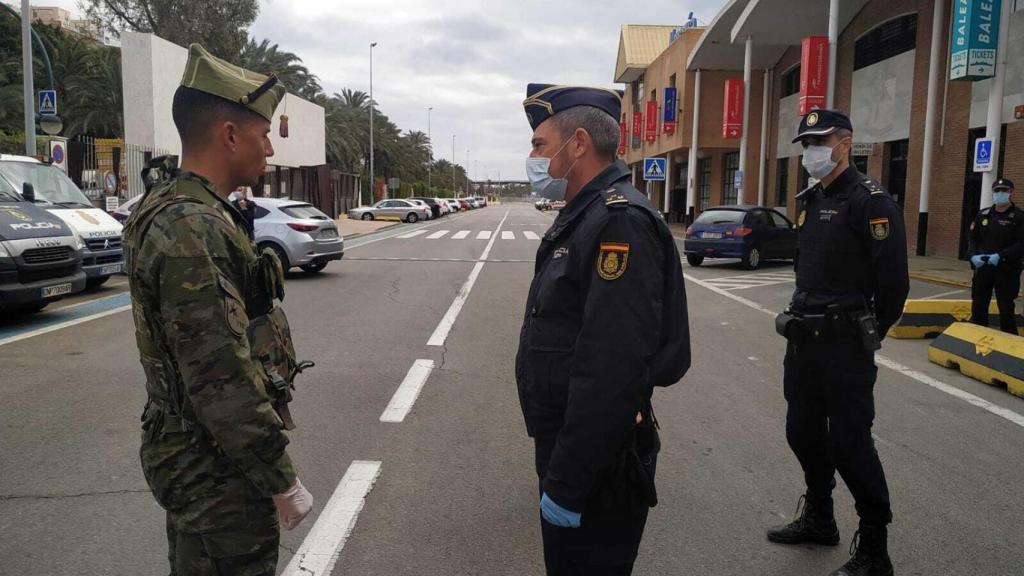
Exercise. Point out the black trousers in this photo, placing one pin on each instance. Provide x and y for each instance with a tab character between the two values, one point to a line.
1005	280
607	541
829	388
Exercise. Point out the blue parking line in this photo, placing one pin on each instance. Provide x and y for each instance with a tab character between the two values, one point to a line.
53	319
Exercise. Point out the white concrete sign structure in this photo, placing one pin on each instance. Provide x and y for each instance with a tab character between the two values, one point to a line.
151	70
882	99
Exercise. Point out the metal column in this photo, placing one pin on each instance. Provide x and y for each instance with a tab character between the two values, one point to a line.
763	161
833	48
691	168
994	126
745	134
934	74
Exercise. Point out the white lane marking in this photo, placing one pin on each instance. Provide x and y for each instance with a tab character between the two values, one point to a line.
440	334
943	295
437	235
508	235
404	398
412	234
891	364
64	325
460	235
485	235
372	237
323	544
531	235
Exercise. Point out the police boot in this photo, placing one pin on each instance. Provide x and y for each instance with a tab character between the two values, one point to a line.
814	523
870	554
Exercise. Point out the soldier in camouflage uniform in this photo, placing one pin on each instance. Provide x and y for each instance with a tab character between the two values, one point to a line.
213	448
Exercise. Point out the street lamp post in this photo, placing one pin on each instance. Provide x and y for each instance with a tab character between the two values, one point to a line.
430	150
26	57
467	172
453	167
372	44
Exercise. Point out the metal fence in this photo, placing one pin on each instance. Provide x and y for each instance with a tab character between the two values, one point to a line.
104	167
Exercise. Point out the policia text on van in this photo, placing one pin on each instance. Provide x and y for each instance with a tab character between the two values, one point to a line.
58	195
40	258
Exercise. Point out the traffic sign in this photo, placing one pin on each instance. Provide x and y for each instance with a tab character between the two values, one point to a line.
58	154
110	182
47	102
737	180
654	169
983	155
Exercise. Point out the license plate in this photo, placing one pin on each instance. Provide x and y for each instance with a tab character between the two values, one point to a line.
112	269
711	235
58	290
329	233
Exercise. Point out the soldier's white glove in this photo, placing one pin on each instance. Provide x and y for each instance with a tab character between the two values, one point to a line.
293	505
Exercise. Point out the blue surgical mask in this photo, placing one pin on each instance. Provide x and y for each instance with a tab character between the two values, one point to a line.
545	185
1001	198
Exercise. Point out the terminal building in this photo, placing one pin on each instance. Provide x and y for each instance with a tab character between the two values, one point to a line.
721	104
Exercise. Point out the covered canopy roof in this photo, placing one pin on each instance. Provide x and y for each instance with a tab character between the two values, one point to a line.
788	22
717	51
639	45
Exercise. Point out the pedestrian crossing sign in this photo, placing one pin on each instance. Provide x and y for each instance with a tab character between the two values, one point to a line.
47	102
654	169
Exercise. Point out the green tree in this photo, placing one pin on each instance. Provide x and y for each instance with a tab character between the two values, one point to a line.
221	26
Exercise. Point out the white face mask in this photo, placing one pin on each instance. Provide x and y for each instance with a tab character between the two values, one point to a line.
546	186
818	161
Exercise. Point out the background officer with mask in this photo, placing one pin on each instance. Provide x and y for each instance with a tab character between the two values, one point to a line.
996	248
605	322
851	284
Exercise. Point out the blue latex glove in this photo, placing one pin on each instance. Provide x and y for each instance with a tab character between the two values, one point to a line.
555	514
993	259
977	261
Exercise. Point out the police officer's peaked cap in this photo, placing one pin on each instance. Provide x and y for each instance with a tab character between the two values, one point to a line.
207	73
545	100
823	123
1002	185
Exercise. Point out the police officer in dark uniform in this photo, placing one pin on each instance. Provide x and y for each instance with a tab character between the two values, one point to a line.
996	248
605	323
851	284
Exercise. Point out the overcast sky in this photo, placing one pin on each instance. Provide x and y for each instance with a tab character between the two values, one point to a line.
470	61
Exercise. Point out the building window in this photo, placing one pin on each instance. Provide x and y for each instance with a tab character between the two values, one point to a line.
791	82
782	183
895	37
704	183
730	195
672	81
861	163
654	95
899	153
805	178
638	91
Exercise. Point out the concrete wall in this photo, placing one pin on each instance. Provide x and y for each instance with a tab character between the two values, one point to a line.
151	69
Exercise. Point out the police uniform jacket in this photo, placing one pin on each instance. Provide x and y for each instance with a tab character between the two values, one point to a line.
852	249
605	321
994	232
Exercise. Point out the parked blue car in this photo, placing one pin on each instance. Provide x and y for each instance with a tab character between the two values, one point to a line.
752	234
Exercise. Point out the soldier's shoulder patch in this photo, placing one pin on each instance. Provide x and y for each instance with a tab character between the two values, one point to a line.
612	259
612	197
234	311
879	228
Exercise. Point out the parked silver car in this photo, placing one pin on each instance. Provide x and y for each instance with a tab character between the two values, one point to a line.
402	209
301	235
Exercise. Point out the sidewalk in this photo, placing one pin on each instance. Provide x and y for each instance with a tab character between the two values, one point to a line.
356	228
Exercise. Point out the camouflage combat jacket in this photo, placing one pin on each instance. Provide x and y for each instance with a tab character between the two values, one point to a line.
213	451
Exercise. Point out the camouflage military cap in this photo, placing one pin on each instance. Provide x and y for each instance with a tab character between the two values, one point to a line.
255	91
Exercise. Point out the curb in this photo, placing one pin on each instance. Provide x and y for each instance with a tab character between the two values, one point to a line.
924	276
353	236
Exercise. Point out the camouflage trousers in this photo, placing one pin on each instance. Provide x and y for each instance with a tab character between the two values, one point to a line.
249	553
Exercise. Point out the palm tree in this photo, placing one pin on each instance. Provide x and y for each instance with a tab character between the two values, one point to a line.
267	58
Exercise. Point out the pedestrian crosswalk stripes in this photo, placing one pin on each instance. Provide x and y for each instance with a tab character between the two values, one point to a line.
748	281
469	235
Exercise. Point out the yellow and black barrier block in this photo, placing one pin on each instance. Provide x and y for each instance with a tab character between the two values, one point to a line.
928	318
988	355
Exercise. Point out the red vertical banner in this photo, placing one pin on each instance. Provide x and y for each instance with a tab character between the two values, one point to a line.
813	74
651	130
623	137
638	127
732	116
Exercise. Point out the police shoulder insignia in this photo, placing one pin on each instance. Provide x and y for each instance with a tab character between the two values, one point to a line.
984	222
879	228
613	198
874	187
612	260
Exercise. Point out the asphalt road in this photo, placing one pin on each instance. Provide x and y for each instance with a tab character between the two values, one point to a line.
455	491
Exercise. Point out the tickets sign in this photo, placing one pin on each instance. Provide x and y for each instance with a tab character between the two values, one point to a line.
813	74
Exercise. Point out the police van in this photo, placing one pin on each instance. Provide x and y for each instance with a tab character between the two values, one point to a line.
57	194
40	256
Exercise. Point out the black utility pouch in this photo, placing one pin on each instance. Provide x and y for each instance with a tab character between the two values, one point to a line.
867	325
784	323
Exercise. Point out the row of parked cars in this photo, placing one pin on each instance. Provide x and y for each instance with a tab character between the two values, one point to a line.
415	209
